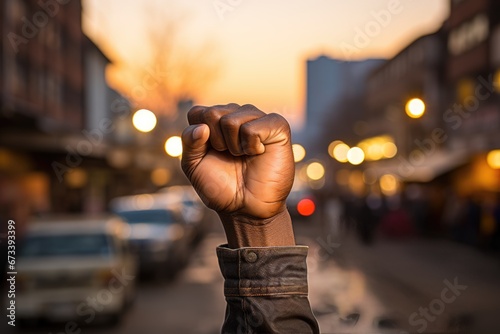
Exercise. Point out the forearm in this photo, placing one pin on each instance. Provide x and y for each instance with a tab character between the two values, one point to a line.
244	231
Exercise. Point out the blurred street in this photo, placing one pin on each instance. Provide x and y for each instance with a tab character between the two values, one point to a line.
353	288
387	282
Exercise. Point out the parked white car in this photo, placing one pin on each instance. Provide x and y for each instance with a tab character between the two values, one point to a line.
75	269
159	234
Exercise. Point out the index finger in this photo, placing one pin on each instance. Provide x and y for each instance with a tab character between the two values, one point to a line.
195	115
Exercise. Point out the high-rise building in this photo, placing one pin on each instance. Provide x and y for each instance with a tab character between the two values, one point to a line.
328	81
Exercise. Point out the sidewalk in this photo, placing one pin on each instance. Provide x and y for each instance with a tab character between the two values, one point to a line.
391	283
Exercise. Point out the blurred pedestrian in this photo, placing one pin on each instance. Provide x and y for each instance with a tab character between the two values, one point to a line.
472	221
454	214
495	242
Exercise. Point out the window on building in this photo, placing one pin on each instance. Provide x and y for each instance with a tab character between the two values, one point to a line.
469	35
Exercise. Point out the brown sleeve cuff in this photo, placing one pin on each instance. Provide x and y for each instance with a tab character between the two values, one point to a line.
263	271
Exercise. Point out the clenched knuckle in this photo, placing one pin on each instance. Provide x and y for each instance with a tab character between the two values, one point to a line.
228	122
232	106
249	108
212	114
279	121
246	129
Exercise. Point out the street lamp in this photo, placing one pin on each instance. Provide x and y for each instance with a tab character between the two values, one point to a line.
415	108
144	120
173	146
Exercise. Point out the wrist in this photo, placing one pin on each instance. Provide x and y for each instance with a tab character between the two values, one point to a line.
246	231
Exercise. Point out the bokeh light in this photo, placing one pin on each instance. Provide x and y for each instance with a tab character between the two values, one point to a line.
389	150
493	159
76	178
340	152
306	207
173	146
315	171
415	108
160	176
332	146
144	120
355	156
496	81
389	184
299	152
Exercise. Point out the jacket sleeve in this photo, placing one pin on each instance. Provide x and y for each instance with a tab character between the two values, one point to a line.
266	290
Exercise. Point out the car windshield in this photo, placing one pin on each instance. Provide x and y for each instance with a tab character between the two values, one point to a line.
66	245
163	217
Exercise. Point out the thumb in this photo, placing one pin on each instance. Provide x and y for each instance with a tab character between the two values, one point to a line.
194	147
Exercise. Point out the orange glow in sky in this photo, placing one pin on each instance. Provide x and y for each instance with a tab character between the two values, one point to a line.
263	45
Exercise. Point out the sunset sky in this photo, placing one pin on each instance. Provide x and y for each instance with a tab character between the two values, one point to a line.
262	46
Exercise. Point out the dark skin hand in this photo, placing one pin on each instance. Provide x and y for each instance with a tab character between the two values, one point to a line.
239	160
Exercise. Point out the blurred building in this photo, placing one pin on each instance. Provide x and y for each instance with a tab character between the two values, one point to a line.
428	126
324	85
329	82
41	84
416	72
472	116
61	126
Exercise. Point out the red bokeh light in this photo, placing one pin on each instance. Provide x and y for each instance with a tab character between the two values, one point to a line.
306	207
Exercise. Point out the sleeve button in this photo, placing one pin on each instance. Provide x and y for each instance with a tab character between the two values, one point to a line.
250	257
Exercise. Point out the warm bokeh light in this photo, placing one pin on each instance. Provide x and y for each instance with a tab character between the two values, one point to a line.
160	176
355	156
332	146
299	152
377	148
173	146
315	171
144	120
340	152
415	108
389	184
493	159
76	178
306	207
389	150
496	81
465	89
